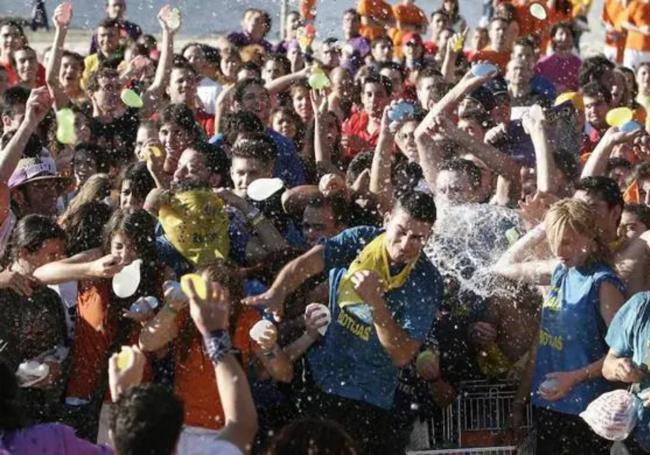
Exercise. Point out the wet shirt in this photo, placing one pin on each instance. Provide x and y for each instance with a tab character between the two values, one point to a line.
572	334
349	360
118	136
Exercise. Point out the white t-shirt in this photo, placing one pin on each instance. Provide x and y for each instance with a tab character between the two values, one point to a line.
208	90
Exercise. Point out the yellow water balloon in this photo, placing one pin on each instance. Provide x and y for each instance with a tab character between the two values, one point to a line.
200	286
125	358
131	98
318	81
619	116
65	126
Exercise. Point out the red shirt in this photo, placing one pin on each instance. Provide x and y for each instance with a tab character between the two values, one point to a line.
590	141
357	125
206	121
12	76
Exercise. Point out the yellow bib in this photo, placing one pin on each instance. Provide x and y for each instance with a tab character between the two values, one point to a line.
196	223
373	257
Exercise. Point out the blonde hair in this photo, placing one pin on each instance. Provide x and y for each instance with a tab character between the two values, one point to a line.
580	218
96	188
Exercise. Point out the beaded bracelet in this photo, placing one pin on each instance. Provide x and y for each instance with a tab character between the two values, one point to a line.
217	344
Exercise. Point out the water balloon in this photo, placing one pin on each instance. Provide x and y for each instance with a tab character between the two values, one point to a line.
320	309
65	126
66	12
131	98
200	286
262	189
125	358
619	116
126	282
31	372
257	331
630	126
174	18
401	111
318	81
425	359
483	69
538	11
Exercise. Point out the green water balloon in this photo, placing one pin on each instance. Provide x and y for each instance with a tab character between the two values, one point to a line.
65	126
131	98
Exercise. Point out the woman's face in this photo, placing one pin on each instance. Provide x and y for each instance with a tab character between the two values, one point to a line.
123	248
643	79
51	250
271	70
174	138
230	67
283	124
145	134
573	248
301	104
127	199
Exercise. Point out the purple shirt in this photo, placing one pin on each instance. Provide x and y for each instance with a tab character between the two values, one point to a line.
360	48
241	39
561	71
48	439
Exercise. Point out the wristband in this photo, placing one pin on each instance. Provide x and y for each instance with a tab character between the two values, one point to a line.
217	344
257	220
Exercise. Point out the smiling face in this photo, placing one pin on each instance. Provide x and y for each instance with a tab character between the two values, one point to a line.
182	86
70	72
26	65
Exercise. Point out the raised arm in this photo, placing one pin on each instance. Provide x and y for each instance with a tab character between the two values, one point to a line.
211	319
519	263
597	162
154	94
282	83
61	24
322	151
380	178
87	265
37	106
429	152
534	123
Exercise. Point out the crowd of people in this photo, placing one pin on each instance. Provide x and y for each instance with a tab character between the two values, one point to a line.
227	247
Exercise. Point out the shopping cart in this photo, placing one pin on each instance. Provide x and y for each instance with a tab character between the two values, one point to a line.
476	423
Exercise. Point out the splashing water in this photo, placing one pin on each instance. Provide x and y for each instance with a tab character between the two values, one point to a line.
468	239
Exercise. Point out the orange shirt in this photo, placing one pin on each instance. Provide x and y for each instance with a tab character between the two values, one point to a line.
377	10
638	14
614	14
412	19
194	380
308	9
499	59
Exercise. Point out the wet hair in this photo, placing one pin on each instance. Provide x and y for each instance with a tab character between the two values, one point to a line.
11	413
596	90
241	122
138	226
12	98
215	160
141	182
593	68
313	436
104	71
418	205
641	211
465	167
296	120
94	152
382	39
379	79
31	232
614	163
567	164
607	189
84	225
257	146
146	420
243	85
581	219
181	115
338	204
75	56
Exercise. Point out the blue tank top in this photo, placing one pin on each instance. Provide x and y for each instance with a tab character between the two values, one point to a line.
572	334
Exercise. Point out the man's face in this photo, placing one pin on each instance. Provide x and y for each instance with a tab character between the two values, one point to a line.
427	91
342	82
405	236
70	72
351	24
318	223
182	86
10	38
523	54
644	191
11	123
107	96
382	52
191	168
175	140
498	34
519	73
563	39
52	250
620	174
115	9
395	79
454	187
83	167
607	217
108	39
196	57
331	55
472	128
374	98
39	197
631	226
256	100
271	70
26	65
595	111
254	25
244	171
405	140
438	23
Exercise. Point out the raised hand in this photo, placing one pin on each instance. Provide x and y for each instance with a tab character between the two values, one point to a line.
105	267
62	15
211	313
38	105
